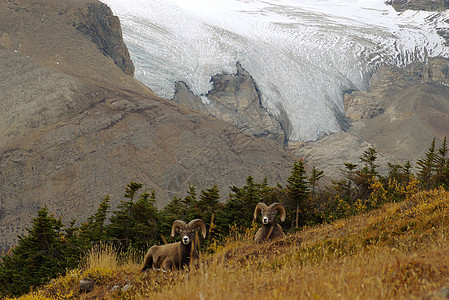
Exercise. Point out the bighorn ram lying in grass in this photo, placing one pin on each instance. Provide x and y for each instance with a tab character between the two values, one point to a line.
270	230
175	255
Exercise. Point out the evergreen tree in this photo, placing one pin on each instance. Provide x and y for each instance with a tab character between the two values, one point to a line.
364	177
190	202
173	210
209	206
134	223
185	209
345	186
442	165
407	173
241	203
144	230
269	194
427	167
74	246
398	173
37	258
209	203
94	230
121	222
131	190
298	192
395	172
314	178
369	158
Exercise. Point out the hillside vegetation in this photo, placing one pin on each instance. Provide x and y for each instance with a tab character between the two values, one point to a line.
367	235
397	251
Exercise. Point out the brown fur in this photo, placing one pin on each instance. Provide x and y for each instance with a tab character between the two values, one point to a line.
175	255
271	230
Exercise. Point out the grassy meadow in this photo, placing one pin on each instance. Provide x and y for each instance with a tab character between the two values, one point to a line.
400	251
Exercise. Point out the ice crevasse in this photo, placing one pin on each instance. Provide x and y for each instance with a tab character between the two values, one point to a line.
303	54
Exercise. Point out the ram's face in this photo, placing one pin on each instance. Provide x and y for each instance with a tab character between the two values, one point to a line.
187	235
268	216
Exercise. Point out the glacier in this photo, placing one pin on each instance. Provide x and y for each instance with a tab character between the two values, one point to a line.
303	54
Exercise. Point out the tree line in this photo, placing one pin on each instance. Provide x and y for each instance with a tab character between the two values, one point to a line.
50	248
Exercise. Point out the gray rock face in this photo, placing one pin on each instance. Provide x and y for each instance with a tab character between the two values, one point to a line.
235	99
411	106
429	5
33	96
410	121
399	116
97	21
389	81
75	128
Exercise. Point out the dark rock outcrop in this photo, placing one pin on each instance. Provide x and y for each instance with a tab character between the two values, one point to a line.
97	21
236	99
429	5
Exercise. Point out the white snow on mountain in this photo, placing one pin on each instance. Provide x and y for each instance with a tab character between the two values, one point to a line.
303	54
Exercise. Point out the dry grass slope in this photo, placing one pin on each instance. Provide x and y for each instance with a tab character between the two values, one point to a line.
396	252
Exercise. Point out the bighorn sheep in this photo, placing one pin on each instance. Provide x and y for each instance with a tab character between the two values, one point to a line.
270	230
175	255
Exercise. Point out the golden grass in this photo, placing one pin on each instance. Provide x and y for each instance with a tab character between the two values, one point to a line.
399	251
103	265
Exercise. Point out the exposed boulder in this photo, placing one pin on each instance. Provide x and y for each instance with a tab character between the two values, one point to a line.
442	293
87	285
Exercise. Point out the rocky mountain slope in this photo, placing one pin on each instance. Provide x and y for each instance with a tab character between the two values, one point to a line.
404	109
76	126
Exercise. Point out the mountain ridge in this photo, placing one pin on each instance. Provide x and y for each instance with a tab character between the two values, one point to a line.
74	127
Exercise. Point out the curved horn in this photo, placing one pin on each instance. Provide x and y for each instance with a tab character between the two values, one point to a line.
280	208
177	224
199	223
260	206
